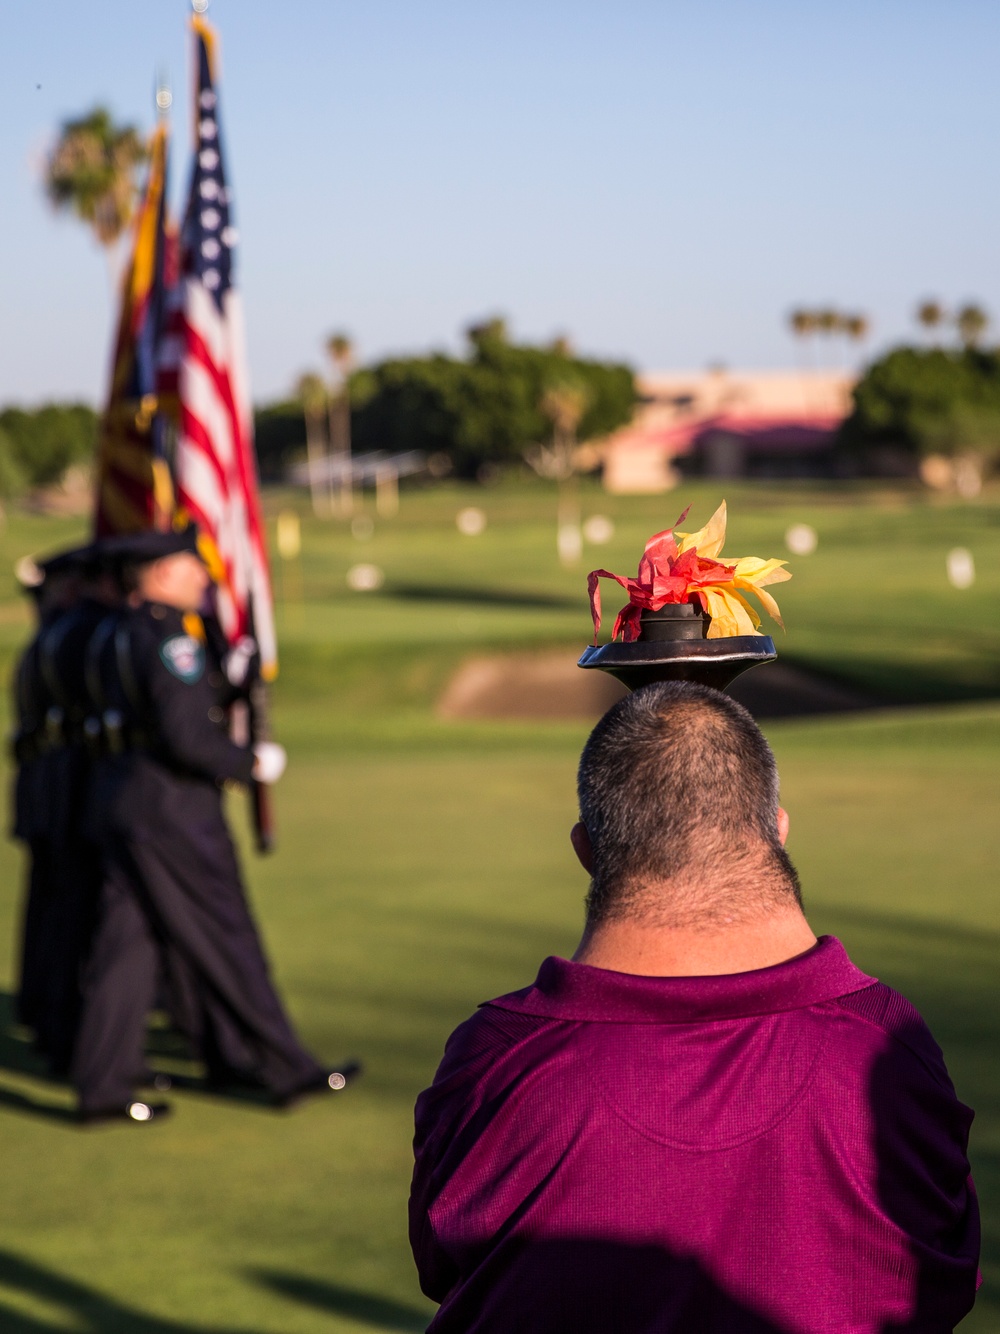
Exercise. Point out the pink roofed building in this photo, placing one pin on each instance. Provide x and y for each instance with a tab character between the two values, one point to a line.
723	423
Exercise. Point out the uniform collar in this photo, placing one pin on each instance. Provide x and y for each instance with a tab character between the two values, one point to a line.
160	611
576	991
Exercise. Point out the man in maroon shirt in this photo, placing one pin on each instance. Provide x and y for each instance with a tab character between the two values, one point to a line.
708	1122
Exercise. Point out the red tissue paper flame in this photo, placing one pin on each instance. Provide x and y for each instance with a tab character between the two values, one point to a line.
664	576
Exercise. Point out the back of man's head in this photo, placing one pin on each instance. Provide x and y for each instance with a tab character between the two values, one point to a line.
679	793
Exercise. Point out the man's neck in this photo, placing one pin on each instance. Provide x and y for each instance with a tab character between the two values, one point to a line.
631	946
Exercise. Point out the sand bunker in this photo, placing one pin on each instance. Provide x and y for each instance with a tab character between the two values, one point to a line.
550	685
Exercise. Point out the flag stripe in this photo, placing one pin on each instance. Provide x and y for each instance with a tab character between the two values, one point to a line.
203	379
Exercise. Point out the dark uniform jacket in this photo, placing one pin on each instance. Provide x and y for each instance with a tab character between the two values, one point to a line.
38	733
172	898
51	794
166	693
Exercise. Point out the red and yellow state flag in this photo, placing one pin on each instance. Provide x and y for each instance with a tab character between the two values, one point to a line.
134	491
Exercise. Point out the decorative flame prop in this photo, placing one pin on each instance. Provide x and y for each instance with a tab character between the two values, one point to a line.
682	567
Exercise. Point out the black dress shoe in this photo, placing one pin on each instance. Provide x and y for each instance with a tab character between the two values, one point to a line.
232	1081
137	1112
326	1081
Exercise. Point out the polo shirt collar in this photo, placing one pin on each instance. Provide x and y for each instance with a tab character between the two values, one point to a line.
577	991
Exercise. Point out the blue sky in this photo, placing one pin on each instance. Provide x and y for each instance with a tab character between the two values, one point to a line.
661	179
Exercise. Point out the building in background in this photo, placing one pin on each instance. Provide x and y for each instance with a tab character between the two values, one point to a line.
721	423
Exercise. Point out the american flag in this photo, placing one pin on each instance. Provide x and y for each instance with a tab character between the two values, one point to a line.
203	382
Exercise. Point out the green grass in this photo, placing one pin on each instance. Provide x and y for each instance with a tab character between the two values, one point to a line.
424	866
872	604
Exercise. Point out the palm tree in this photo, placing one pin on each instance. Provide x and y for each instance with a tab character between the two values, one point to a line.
493	330
340	350
828	321
803	326
91	172
563	402
856	327
311	391
930	315
971	322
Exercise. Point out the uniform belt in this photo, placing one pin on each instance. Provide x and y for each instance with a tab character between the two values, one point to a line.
41	738
94	734
112	734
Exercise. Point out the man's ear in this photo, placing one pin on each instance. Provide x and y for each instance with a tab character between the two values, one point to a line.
580	838
783	823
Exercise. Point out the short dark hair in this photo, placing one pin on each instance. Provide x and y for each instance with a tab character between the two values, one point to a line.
678	778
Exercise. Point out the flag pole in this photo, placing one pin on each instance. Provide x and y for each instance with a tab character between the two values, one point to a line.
163	97
211	337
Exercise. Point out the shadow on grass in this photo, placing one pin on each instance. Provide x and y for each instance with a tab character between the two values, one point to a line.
906	683
379	1312
475	596
19	1057
17	1053
27	1291
952	975
12	1101
35	1300
169	1050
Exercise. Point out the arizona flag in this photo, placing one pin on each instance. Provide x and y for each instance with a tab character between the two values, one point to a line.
203	384
133	481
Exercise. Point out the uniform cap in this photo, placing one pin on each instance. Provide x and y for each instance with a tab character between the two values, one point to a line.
142	548
32	571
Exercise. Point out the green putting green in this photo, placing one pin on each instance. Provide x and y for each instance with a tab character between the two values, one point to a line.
424	866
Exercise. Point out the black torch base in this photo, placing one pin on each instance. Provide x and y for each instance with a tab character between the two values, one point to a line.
673	646
710	662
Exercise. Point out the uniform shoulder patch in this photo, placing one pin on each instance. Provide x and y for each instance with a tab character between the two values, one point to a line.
184	657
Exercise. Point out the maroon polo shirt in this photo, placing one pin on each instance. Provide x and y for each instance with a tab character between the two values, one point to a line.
780	1150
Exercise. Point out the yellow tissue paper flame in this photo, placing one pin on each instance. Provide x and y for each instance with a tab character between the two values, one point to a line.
731	613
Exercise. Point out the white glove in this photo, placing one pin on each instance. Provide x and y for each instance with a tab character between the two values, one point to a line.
238	660
269	761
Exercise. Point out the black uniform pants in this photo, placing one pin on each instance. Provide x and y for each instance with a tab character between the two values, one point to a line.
32	969
57	935
118	992
60	904
172	905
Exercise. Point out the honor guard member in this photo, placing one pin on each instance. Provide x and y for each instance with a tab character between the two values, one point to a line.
71	595
172	907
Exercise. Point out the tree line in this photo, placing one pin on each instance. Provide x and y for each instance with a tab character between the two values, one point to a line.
917	401
494	407
38	445
932	399
475	413
502	403
923	401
